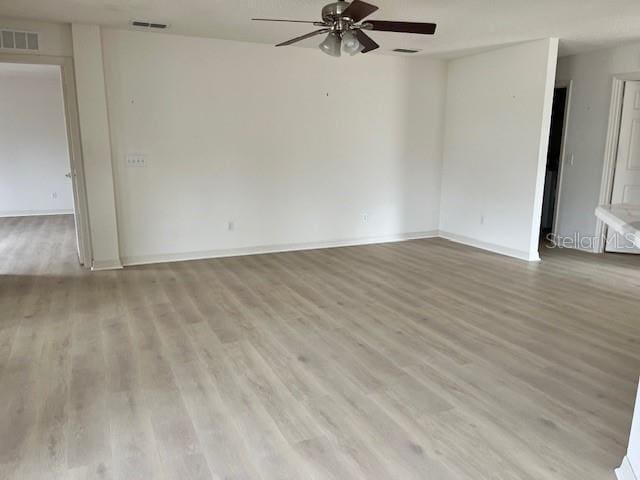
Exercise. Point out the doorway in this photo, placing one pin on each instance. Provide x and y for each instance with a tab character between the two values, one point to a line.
41	175
626	176
554	162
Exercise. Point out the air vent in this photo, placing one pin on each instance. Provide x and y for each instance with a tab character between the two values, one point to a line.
405	50
18	40
141	24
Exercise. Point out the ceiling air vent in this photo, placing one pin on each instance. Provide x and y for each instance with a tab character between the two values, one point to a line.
141	24
18	40
405	50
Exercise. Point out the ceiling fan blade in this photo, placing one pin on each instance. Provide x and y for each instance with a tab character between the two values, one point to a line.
366	41
402	27
357	10
281	20
304	37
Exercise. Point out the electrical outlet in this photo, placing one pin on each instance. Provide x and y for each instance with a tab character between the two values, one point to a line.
54	195
481	219
136	160
231	225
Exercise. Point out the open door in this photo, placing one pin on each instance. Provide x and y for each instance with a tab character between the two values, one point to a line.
76	166
626	180
554	154
72	175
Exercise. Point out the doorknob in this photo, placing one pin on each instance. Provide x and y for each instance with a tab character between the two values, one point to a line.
68	175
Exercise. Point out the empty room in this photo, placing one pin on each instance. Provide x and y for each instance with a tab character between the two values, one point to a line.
328	241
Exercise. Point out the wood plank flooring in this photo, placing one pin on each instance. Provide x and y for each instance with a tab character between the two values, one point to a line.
415	360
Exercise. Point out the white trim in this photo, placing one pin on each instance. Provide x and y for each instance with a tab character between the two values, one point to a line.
610	156
292	247
625	471
98	265
543	146
492	247
563	152
34	213
258	250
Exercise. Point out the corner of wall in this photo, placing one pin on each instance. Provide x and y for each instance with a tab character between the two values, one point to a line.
96	144
545	128
443	142
493	197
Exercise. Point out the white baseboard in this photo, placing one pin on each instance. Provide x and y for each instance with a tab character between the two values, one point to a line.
234	252
98	265
33	213
262	249
491	247
625	471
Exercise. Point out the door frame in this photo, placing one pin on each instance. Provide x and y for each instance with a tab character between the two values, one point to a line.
72	121
611	150
568	84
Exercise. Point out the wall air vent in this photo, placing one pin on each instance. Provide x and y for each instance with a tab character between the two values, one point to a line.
405	50
141	24
18	40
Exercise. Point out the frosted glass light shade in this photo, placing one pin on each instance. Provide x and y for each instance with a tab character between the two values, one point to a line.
350	43
331	45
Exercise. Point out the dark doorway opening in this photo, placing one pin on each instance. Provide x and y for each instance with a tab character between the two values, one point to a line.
553	162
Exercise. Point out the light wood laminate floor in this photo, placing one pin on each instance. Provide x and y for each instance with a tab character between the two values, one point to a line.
415	360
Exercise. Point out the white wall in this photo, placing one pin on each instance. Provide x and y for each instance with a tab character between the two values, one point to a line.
96	145
497	127
630	467
298	150
34	155
633	453
592	75
292	146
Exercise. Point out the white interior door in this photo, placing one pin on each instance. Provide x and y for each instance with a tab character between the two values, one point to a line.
626	182
76	174
73	176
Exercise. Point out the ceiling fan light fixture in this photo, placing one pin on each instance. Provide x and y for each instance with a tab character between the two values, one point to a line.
350	43
332	44
343	21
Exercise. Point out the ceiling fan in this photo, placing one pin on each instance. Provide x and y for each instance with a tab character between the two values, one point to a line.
340	20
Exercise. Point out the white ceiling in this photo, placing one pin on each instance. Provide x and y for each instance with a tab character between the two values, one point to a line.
463	25
29	70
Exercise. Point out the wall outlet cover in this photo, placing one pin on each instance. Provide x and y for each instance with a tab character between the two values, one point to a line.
136	160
